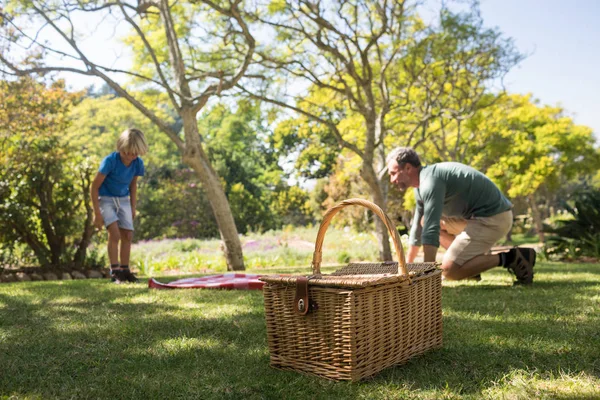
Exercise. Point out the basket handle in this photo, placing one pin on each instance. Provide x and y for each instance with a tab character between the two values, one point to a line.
317	256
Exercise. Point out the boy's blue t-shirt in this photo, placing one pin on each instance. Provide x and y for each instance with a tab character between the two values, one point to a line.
118	176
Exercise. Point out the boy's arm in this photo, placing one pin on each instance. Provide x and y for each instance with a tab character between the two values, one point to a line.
94	189
133	195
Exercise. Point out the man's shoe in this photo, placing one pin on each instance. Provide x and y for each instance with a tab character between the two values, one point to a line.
522	265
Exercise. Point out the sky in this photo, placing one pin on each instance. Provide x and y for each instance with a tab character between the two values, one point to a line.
560	38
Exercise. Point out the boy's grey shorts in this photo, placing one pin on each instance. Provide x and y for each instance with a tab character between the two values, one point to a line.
116	209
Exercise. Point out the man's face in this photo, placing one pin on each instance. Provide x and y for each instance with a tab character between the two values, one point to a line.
399	175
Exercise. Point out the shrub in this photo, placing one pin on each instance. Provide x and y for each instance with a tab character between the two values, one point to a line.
578	234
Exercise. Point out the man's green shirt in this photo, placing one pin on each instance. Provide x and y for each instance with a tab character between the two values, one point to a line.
451	189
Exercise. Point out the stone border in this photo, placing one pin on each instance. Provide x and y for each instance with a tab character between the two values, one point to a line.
20	276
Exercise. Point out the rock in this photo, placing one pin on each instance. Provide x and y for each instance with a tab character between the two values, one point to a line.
78	275
49	276
8	278
94	274
36	277
66	276
22	277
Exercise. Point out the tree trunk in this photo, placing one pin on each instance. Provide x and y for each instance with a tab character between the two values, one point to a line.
378	198
537	217
54	238
88	227
196	158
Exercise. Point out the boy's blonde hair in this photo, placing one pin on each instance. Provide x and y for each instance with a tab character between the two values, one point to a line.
132	141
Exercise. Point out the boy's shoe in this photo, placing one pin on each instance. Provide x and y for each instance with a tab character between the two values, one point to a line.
522	265
128	276
116	276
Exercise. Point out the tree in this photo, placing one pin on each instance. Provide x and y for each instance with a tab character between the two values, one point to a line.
527	148
376	77
170	58
44	196
239	146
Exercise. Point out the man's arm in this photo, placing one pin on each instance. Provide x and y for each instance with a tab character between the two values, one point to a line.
433	203
412	253
429	253
414	238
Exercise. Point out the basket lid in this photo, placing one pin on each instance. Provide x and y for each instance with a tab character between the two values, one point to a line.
358	275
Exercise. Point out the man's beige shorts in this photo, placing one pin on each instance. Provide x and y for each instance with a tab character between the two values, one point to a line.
475	236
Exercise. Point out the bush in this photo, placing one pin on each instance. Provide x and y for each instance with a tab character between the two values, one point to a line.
578	234
44	183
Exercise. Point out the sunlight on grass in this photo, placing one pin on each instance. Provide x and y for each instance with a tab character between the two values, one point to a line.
93	339
170	347
520	384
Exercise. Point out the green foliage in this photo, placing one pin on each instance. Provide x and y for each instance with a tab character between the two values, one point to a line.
97	122
314	143
578	233
172	204
44	183
524	146
240	148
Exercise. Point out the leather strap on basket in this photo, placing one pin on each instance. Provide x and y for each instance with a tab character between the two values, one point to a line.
301	302
317	256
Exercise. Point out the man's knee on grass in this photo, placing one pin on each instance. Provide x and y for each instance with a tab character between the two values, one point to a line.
451	270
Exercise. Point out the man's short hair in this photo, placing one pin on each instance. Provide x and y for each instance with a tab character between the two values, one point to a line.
403	155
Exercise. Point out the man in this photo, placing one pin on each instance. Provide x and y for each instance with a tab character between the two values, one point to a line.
464	211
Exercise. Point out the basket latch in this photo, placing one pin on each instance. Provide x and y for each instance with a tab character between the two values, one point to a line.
302	304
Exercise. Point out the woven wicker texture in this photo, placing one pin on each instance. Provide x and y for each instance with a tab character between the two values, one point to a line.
368	316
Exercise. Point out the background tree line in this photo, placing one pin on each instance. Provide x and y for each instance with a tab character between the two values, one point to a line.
229	91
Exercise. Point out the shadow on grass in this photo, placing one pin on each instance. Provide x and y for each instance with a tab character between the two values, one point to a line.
492	330
96	340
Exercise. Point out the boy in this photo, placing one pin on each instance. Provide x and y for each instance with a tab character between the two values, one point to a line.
114	196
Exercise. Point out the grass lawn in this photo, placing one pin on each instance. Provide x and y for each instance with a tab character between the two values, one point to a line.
93	339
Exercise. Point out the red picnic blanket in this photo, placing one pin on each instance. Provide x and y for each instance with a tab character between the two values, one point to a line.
224	281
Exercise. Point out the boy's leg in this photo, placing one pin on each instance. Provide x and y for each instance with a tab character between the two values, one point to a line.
126	231
108	209
114	236
126	237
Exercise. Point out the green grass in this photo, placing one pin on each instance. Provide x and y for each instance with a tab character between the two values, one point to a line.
93	339
519	239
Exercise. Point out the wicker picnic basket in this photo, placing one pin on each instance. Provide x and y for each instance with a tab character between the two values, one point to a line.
355	322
